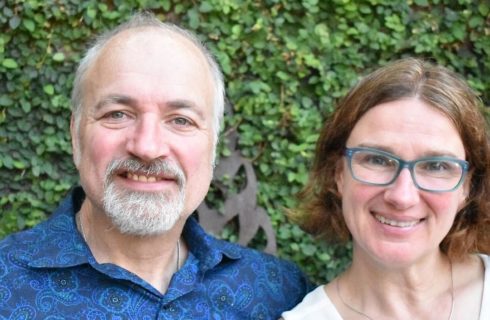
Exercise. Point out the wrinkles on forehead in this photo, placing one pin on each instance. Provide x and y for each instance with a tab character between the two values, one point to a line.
148	42
132	49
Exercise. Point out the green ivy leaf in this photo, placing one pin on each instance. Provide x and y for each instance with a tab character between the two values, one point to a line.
14	22
19	164
29	25
9	63
48	89
59	56
484	9
205	7
308	249
476	21
5	101
91	13
422	3
193	18
26	106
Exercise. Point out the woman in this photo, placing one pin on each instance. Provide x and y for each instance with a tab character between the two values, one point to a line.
402	169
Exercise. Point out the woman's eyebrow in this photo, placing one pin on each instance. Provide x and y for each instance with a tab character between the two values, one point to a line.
427	154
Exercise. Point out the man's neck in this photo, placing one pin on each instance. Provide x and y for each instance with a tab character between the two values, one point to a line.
154	258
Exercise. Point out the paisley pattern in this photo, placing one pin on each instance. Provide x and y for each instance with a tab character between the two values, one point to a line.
48	272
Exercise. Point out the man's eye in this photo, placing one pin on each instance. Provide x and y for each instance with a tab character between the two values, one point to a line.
116	115
180	121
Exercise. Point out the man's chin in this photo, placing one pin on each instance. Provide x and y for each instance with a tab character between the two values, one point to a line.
141	226
142	213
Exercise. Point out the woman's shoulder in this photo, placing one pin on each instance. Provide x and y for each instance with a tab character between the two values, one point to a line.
472	287
315	306
486	260
485	306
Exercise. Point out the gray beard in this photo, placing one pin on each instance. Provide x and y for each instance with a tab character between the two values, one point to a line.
143	213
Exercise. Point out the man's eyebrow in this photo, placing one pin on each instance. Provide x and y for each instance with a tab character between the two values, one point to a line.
186	104
115	99
131	102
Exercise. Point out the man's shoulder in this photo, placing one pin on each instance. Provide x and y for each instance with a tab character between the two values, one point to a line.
266	284
41	241
26	240
55	221
19	249
16	252
252	266
253	256
213	250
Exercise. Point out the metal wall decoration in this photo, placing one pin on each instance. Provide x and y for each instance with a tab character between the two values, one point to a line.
241	203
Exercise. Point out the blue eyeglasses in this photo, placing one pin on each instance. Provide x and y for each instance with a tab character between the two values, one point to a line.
435	174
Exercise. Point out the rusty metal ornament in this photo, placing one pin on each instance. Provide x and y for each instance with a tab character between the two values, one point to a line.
242	204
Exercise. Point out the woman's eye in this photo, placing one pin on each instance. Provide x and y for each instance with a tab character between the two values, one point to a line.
377	160
437	166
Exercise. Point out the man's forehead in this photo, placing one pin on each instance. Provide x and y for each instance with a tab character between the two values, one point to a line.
132	57
150	38
151	47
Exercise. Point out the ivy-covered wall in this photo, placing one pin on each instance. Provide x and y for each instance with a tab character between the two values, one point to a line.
285	62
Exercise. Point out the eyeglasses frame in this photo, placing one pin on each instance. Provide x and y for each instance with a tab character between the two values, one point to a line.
349	152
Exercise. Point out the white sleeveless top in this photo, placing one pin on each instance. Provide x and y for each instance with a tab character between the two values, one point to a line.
317	305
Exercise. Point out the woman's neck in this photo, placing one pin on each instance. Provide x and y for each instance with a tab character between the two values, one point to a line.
422	290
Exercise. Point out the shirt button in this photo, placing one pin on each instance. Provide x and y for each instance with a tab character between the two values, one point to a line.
169	307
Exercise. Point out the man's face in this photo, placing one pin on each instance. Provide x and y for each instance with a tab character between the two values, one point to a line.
145	141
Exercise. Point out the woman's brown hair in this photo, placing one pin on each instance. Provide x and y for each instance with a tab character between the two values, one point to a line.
320	208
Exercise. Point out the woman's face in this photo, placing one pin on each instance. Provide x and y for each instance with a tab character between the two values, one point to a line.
399	224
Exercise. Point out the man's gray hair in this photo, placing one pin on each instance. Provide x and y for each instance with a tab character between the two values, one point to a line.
147	20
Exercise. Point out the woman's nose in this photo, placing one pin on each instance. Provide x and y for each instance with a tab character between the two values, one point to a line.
402	193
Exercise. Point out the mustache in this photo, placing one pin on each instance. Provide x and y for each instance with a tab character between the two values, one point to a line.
156	167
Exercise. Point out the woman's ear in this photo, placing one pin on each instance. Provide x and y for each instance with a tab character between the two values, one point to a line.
466	187
339	175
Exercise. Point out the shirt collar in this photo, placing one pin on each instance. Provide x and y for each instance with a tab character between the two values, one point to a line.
208	250
59	244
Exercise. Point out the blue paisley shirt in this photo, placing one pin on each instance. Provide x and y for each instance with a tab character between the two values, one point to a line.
48	272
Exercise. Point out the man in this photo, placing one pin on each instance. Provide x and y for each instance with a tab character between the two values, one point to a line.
147	103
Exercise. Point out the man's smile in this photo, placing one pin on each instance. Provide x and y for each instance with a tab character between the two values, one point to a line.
145	178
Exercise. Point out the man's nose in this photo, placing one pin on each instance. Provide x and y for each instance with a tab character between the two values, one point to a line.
148	139
402	193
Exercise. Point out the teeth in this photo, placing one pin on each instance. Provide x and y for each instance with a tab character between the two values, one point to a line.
139	178
394	223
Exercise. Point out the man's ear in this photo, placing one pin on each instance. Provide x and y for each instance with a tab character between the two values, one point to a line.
75	141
